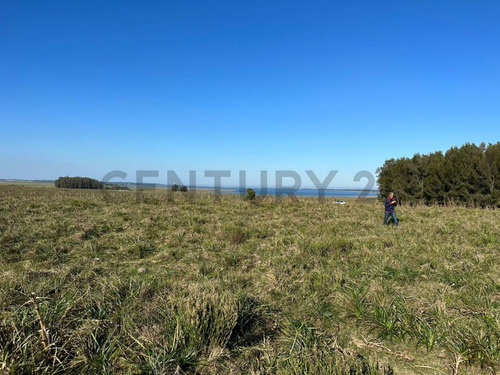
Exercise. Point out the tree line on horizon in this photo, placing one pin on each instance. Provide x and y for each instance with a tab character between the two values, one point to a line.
469	175
86	183
78	183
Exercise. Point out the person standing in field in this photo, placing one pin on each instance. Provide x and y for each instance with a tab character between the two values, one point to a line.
390	211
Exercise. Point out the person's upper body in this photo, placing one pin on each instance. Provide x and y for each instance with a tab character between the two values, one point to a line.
390	203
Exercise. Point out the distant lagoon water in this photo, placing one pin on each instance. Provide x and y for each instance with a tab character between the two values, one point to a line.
337	193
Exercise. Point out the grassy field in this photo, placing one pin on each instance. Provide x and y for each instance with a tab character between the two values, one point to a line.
12	183
93	284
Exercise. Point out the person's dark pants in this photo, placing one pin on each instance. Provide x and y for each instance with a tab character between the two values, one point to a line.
394	218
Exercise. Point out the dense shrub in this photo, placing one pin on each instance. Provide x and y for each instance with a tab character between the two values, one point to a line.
250	194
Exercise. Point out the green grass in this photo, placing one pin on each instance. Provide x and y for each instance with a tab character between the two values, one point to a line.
209	286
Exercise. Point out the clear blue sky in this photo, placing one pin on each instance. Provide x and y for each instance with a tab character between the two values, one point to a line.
92	86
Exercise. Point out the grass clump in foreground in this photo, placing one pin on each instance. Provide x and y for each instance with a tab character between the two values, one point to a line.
204	286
